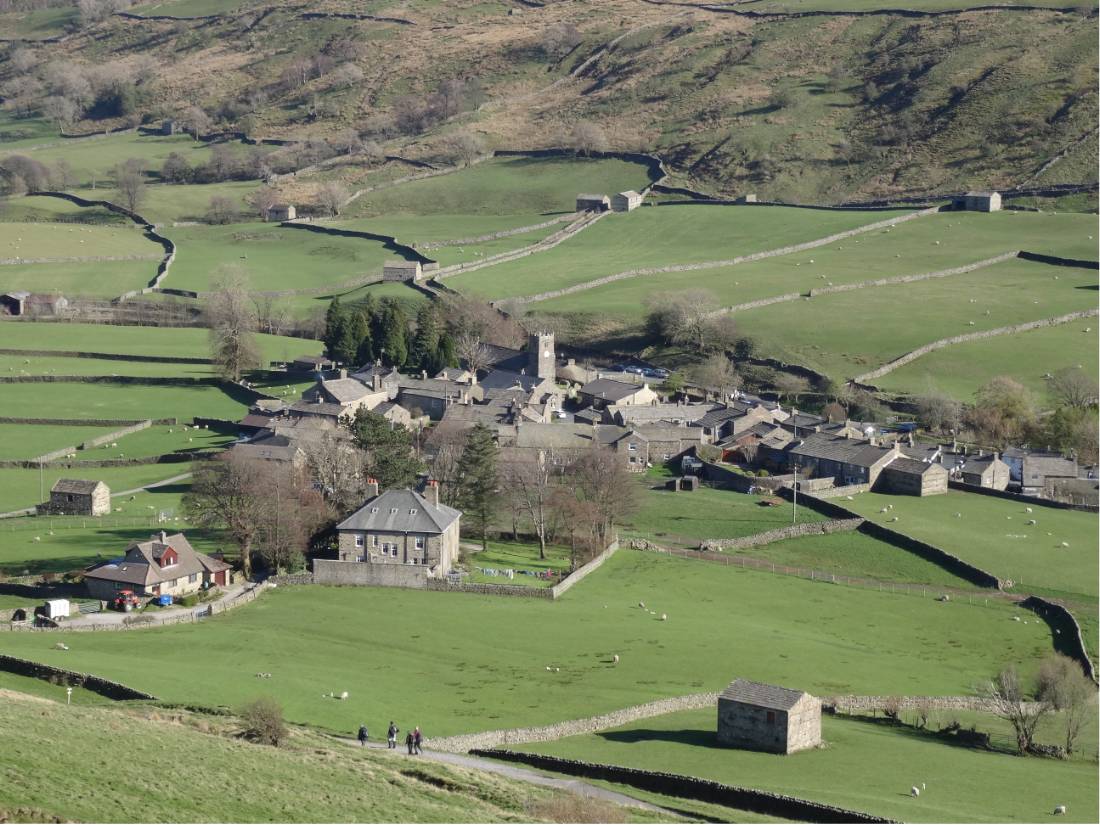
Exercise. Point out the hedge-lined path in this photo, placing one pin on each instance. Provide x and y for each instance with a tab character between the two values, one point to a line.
475	763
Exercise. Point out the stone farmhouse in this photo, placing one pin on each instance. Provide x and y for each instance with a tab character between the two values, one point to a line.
77	497
762	717
626	201
164	565
349	393
605	392
593	203
402	527
915	478
33	303
849	460
977	470
401	270
659	413
646	446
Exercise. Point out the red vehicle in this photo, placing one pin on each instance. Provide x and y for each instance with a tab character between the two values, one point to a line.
125	601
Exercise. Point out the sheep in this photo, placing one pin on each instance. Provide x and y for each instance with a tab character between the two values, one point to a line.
38	538
1065	544
1060	810
915	791
664	617
1032	521
615	659
1028	510
922	786
883	510
641	605
61	646
344	695
958	515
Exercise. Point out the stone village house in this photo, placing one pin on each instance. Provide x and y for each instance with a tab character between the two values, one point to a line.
768	718
163	565
402	527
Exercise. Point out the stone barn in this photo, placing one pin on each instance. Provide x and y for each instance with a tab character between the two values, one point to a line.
761	717
77	497
980	202
593	203
626	201
169	127
398	270
914	478
282	212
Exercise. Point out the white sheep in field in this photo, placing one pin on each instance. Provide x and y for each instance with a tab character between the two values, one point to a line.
915	791
1065	544
664	617
641	605
344	695
1060	810
1028	510
615	659
1032	521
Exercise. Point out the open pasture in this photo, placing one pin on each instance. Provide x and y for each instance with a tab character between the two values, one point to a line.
146	341
866	765
26	441
191	8
927	244
94	279
21	488
993	534
846	334
271	257
962	369
472	662
120	401
58	365
29	241
686	519
503	186
164	203
31	208
660	236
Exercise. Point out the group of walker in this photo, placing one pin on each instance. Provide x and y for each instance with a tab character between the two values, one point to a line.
413	738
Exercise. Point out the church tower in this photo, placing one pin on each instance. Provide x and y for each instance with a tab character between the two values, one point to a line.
540	355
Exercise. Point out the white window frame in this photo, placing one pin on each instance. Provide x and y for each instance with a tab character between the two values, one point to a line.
419	542
360	541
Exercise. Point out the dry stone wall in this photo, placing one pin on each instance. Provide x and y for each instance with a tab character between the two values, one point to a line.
812	528
923	276
96	684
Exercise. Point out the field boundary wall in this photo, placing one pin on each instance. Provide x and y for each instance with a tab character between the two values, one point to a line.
86	422
808	528
1005	494
913	355
690	787
740	259
96	684
1055	260
105	356
1069	639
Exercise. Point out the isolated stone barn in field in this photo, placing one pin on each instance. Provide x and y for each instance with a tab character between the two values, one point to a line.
77	497
626	201
282	212
980	202
398	270
593	203
761	717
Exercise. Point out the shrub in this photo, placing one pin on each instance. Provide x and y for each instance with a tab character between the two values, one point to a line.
263	720
762	473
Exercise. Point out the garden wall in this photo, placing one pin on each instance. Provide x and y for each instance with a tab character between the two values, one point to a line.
581	572
96	684
690	787
1042	502
810	528
442	585
333	572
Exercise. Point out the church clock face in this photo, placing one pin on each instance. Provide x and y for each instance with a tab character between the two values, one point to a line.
546	354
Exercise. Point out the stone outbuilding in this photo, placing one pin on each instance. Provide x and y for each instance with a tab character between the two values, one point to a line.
77	497
401	270
980	202
626	201
914	478
282	212
756	716
593	203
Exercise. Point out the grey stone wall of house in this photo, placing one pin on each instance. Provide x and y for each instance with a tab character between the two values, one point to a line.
331	572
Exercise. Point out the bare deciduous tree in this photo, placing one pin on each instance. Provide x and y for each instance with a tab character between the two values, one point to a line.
937	412
221	210
533	478
1073	387
61	111
587	138
332	196
717	373
472	352
339	468
1008	700
130	183
229	492
263	199
231	316
599	477
1064	685
465	147
559	39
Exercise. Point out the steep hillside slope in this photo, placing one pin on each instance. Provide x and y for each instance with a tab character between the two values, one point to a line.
820	101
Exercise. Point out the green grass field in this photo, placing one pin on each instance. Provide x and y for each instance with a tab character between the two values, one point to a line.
165	203
503	186
95	279
311	777
159	440
24	441
148	341
962	369
503	555
271	257
58	210
866	766
28	686
685	519
926	244
45	240
191	8
659	236
21	488
819	332
993	534
55	365
120	401
472	662
73	542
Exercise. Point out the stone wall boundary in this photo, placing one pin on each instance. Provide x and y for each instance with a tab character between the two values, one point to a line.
105	356
1020	497
809	528
922	276
741	259
85	422
1072	642
486	589
112	436
584	570
690	787
98	259
492	236
88	681
913	355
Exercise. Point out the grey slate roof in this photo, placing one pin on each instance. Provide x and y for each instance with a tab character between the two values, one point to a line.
401	511
345	390
306	408
762	695
854	451
500	379
609	389
911	466
560	436
75	486
139	565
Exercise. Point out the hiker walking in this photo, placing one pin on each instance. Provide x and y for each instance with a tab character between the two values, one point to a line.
363	735
391	736
409	742
416	739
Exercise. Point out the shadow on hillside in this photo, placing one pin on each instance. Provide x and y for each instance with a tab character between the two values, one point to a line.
696	738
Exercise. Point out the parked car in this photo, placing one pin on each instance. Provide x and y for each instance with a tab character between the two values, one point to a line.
125	601
657	372
635	370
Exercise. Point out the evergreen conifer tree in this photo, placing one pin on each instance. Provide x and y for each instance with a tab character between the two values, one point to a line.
477	481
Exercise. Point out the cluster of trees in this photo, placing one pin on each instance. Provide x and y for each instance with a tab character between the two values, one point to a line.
1006	413
415	114
368	330
686	319
226	162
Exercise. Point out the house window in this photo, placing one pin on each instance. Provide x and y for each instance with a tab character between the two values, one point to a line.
393	550
393	511
632	447
69	498
771	717
412	512
666	456
194	577
374	509
633	460
359	540
419	542
374	541
360	558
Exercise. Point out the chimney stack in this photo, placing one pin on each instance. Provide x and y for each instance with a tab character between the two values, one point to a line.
431	492
423	375
376	381
343	373
163	537
372	488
